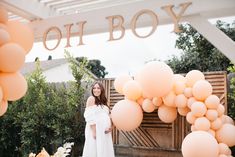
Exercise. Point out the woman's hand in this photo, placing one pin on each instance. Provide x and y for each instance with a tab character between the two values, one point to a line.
108	130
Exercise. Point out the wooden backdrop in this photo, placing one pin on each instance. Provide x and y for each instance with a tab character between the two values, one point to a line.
155	138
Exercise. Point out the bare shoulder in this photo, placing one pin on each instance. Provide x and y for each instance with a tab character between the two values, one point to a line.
90	101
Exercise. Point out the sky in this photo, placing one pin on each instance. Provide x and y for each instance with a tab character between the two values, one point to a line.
125	56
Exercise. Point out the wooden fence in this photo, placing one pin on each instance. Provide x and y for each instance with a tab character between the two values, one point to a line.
155	138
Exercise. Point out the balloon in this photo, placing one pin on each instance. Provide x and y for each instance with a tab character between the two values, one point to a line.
1	93
167	114
224	149
190	118
226	119
226	134
157	101
179	87
132	90
14	86
212	132
200	144
178	77
148	106
211	115
202	124
202	89
183	111
21	34
198	109
156	79
3	15
190	102
188	92
193	76
127	115
120	81
4	37
212	102
220	110
169	99
140	100
3	107
181	101
216	124
12	57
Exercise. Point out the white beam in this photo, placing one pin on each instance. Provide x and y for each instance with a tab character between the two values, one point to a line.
29	9
97	22
215	36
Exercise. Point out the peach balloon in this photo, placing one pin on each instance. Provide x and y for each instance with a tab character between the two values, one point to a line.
132	90
167	114
2	26
190	118
226	119
148	106
120	81
21	34
127	115
179	87
156	79
140	100
202	89
3	15
190	102
178	77
4	37
169	99
3	107
220	110
202	124
198	109
211	115
188	92
200	144
14	86
12	57
193	76
183	111
224	149
1	94
181	101
193	128
212	132
216	124
157	101
212	102
226	134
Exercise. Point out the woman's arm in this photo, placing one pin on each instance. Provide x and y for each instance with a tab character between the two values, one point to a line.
93	128
90	102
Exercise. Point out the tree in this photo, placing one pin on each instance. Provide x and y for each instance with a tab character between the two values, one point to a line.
95	67
198	53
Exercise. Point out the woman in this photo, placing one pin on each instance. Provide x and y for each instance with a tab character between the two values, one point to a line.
98	138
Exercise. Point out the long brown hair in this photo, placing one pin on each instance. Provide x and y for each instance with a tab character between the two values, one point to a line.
102	100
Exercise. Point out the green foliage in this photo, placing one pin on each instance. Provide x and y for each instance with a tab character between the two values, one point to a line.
198	53
231	94
94	66
47	116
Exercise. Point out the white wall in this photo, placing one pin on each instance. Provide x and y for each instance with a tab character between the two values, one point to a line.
60	73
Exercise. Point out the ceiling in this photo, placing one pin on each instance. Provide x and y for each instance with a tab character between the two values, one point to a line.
31	10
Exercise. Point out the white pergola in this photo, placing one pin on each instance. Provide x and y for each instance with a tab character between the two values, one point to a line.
43	14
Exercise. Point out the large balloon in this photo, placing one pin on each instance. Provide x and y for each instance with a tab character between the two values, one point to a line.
127	115
226	134
4	37
200	144
202	89
14	86
3	107
12	57
132	90
156	79
3	15
120	81
193	76
21	34
167	114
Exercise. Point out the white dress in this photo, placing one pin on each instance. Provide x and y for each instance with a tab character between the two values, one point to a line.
102	146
